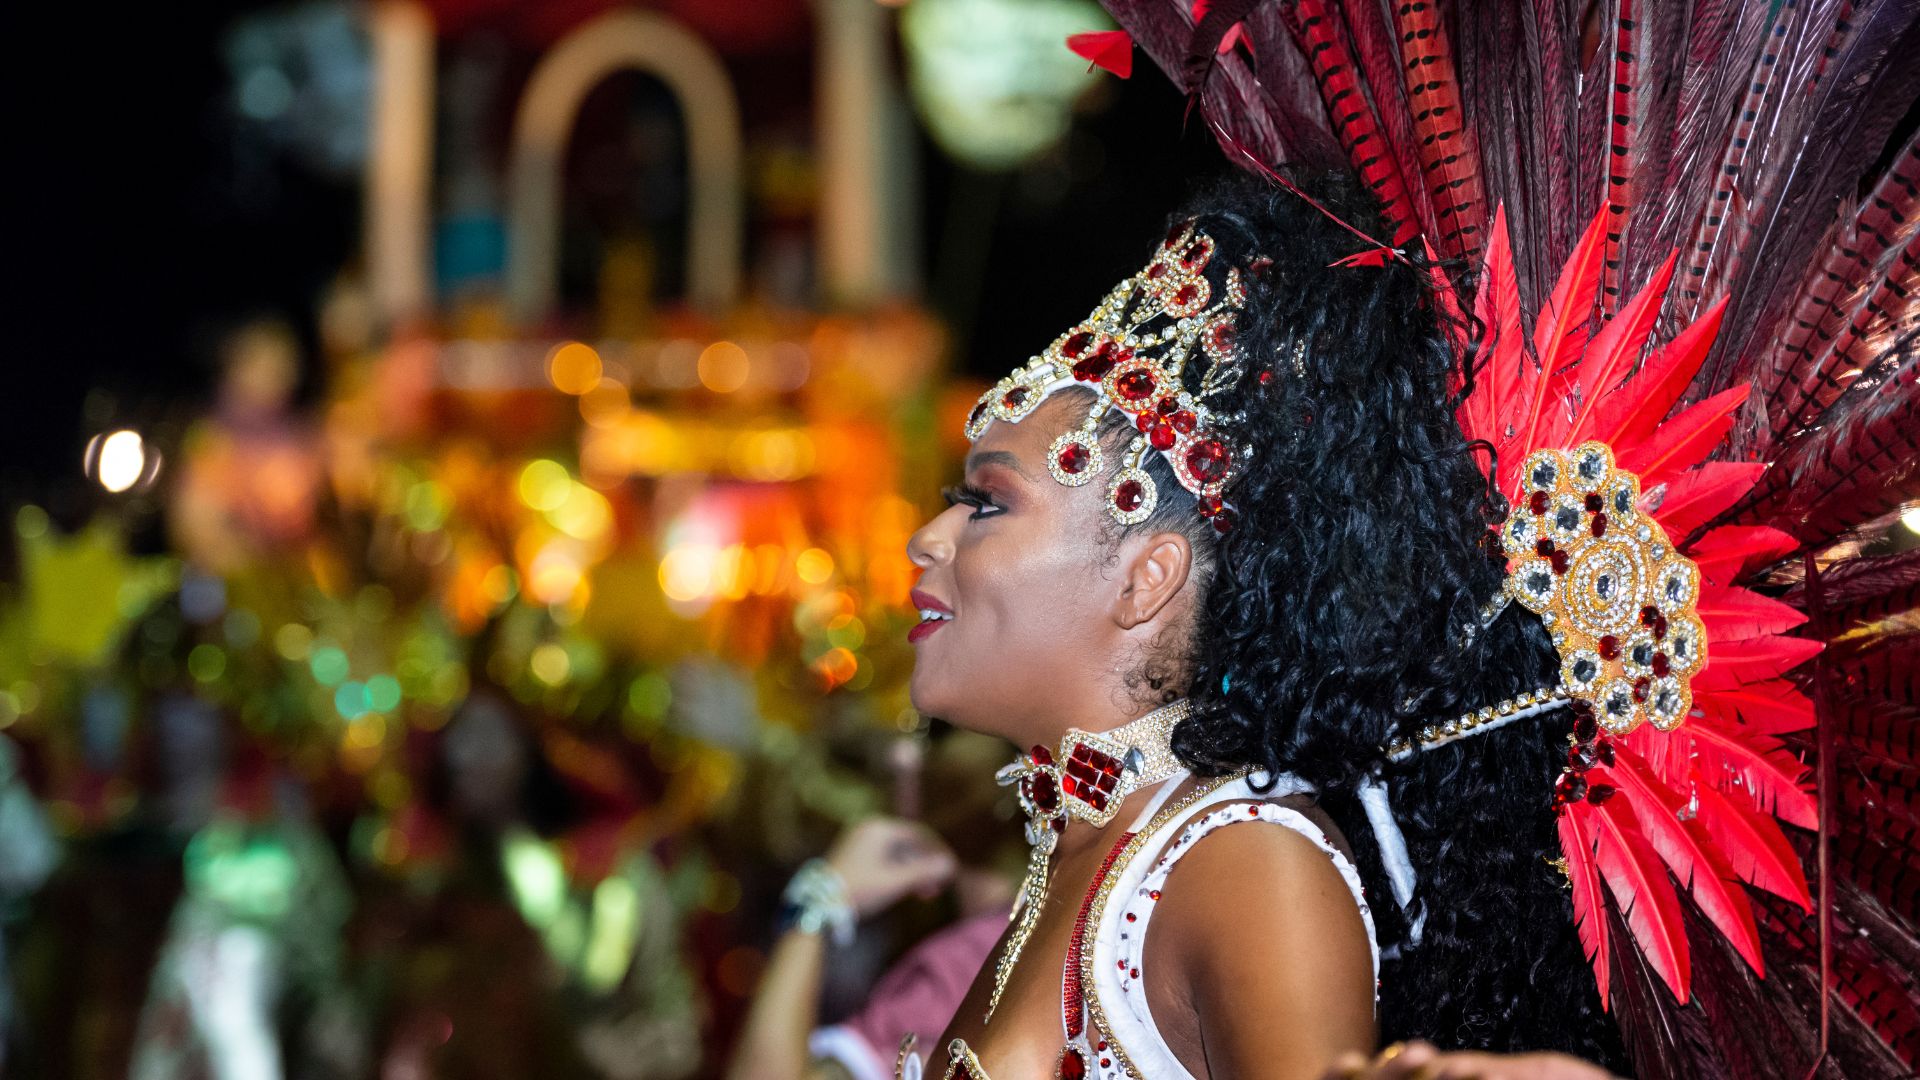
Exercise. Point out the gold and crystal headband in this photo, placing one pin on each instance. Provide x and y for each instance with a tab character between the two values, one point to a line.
1131	352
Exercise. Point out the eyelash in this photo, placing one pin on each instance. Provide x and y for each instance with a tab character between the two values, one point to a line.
968	495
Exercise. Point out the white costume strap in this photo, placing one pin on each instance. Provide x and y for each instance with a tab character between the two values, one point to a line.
1118	989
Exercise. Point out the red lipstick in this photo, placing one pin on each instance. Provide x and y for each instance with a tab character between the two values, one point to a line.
933	616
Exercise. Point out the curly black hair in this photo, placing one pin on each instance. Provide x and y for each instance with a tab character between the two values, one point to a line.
1336	618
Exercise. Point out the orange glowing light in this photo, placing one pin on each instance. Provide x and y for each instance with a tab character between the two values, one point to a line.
574	368
723	367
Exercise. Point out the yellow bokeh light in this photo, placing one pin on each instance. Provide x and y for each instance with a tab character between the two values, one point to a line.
723	367
687	572
554	575
544	485
814	566
584	514
573	368
1910	517
549	664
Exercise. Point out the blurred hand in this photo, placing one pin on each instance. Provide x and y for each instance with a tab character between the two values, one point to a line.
884	859
1419	1061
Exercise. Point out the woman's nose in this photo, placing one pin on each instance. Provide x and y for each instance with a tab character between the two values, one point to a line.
931	544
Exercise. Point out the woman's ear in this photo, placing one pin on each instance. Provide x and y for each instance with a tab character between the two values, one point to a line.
1151	576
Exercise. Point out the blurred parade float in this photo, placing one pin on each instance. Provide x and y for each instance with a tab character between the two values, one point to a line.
591	546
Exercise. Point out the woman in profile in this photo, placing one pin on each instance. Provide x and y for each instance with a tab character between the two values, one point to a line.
1215	550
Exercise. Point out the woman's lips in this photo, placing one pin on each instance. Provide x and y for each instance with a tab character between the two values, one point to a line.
933	615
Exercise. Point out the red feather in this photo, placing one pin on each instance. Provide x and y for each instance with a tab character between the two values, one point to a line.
1589	903
1768	707
1497	309
1754	845
1750	660
1685	440
1613	353
1633	413
1109	49
1317	28
1639	885
1559	333
1688	851
1697	497
1740	613
1729	551
1449	163
1770	776
1619	189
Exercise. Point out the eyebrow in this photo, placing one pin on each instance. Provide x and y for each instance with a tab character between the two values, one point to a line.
980	459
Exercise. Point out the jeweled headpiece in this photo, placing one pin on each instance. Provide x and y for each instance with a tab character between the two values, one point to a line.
1133	352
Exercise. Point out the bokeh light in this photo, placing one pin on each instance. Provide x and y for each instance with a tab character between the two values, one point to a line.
573	368
723	367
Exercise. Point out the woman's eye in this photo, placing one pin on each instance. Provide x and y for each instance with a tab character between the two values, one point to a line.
966	495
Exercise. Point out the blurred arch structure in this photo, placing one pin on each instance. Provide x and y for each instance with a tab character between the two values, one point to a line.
655	45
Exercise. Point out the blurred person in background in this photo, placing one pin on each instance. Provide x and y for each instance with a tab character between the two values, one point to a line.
522	846
28	854
965	848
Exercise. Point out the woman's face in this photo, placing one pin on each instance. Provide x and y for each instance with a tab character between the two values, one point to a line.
1022	584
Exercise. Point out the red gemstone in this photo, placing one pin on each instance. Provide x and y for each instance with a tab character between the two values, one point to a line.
1584	728
1162	437
1135	385
1609	647
1143	421
1168	406
1223	336
1072	1065
1559	559
1195	256
1659	627
1600	793
1077	344
1040	755
1184	421
1639	689
961	1072
1543	547
1156	271
1207	460
1593	502
1661	665
979	411
1046	794
1648	614
1186	296
1179	228
1571	787
1015	397
1599	525
1128	496
1074	458
1537	502
1211	505
1605	750
1223	522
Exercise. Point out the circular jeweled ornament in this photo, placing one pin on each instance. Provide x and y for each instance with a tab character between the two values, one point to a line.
1566	519
1616	708
1074	458
1131	496
1592	464
1668	700
1541	471
1637	658
1534	584
1581	669
1676	586
1685	644
1521	535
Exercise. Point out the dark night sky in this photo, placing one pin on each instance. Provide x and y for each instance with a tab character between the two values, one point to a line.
133	246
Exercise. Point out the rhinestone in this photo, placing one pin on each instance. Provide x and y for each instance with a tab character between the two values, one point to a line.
1135	385
1129	495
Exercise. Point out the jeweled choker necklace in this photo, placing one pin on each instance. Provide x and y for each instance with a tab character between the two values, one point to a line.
1088	779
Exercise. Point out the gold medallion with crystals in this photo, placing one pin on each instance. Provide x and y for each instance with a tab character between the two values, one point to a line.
1615	596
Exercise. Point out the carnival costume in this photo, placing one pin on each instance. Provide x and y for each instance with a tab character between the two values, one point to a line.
1703	423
